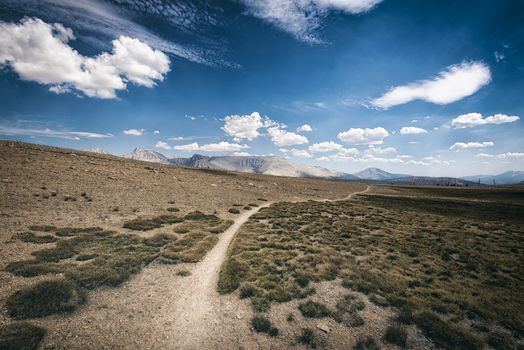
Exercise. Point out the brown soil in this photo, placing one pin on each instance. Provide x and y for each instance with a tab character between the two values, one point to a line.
157	308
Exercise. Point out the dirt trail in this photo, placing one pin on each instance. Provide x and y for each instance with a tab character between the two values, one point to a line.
196	305
196	309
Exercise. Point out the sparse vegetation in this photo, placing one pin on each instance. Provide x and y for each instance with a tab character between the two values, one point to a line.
366	344
396	335
108	259
183	273
347	311
448	265
262	325
21	336
44	299
42	228
313	309
307	338
141	224
445	335
30	237
234	211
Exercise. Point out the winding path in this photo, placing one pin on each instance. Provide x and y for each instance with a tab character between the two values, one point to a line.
196	310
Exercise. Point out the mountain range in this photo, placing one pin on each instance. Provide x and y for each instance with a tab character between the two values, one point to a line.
272	165
269	165
506	178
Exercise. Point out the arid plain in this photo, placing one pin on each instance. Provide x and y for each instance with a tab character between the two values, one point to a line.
101	252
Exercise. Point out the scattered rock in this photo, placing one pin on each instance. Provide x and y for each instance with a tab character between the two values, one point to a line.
323	327
214	185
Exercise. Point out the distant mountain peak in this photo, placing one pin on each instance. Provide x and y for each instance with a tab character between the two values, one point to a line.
377	175
147	156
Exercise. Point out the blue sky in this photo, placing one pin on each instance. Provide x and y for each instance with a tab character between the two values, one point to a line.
426	88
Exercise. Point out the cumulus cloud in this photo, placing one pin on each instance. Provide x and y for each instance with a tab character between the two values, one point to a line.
304	128
302	17
450	85
410	130
156	132
211	147
475	119
222	147
241	154
39	52
457	146
300	153
245	126
380	151
134	132
162	144
282	137
327	146
348	152
187	148
342	155
364	136
68	135
98	22
248	127
507	155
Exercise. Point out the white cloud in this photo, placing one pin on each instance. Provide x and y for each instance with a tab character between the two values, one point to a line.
508	155
156	132
457	146
414	121
475	119
68	135
409	130
345	154
100	22
282	137
39	52
300	153
161	144
222	147
241	154
452	84
304	128
134	132
212	147
187	148
380	151
245	126
364	136
177	138
327	146
499	56
348	152
302	17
